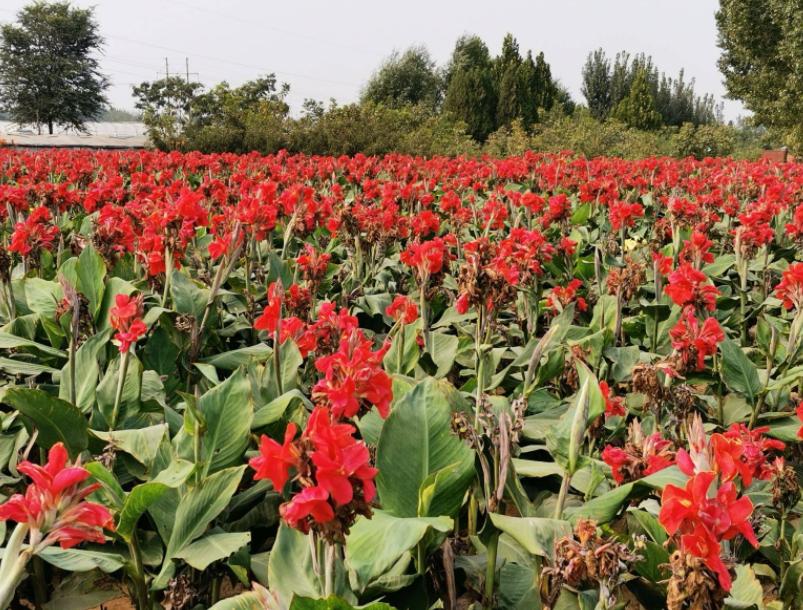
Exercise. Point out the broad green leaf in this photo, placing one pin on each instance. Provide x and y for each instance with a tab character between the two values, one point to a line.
536	535
196	510
87	372
250	600
333	603
442	350
111	489
91	272
417	441
136	503
275	409
605	507
132	388
738	372
22	367
188	297
82	560
375	545
229	361
56	420
9	341
203	552
227	410
142	444
290	570
746	591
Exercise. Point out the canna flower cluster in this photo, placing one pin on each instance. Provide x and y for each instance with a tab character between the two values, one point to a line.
402	309
790	288
687	286
641	455
353	379
560	296
54	506
709	510
694	341
34	234
332	469
126	318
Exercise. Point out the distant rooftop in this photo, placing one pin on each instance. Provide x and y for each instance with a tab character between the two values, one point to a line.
98	135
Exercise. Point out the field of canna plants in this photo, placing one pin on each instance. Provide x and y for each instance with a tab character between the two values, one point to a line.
303	383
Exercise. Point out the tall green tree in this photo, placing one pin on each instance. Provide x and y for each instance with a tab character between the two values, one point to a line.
510	86
762	47
637	110
49	68
470	91
596	86
407	78
546	92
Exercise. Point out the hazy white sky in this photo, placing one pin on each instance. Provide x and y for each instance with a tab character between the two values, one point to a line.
328	49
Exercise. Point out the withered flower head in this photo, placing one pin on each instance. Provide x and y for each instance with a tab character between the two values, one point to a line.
692	586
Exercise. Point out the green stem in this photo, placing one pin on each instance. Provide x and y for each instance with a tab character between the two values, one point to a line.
564	492
423	307
39	581
140	586
329	570
118	396
490	568
12	579
168	274
400	351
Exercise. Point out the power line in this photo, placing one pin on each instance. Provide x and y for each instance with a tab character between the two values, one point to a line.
230	62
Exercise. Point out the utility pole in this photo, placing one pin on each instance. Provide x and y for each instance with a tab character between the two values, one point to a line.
187	69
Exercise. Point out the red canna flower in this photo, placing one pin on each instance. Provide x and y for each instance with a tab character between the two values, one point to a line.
561	296
54	505
426	257
790	288
697	250
310	502
34	234
126	318
701	544
641	456
799	412
704	520
663	263
313	264
614	405
686	287
623	214
694	342
353	378
402	308
274	460
272	313
756	449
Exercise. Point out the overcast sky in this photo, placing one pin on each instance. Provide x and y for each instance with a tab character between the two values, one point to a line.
327	49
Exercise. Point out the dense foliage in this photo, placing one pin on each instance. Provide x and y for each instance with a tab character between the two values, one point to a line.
762	43
606	84
538	381
49	68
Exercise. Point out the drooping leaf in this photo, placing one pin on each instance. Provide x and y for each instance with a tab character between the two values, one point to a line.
375	545
204	551
55	420
536	535
738	372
